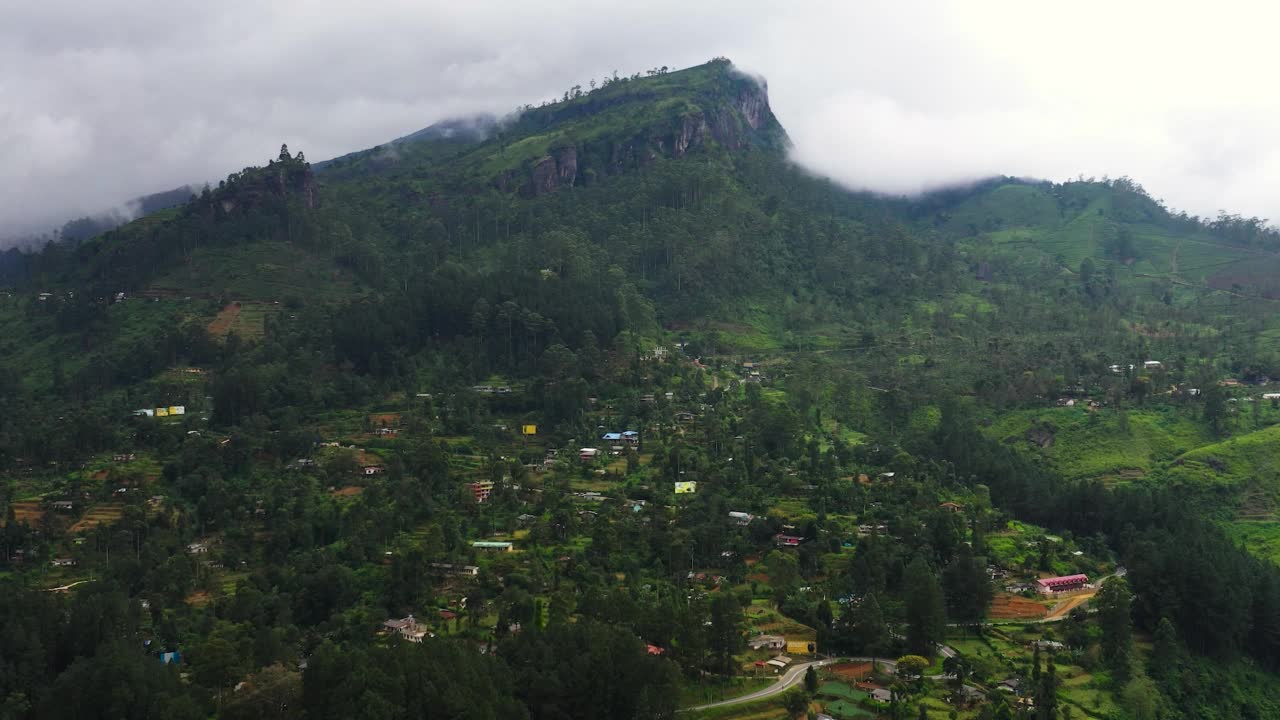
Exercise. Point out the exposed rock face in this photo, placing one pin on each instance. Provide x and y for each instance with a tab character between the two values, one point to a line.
753	103
692	129
567	165
730	120
552	172
544	177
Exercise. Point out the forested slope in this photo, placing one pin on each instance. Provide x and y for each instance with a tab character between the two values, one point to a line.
359	346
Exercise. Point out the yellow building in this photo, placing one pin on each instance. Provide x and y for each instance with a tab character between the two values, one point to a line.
686	488
801	647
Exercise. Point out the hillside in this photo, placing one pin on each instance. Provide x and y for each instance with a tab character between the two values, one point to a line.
558	410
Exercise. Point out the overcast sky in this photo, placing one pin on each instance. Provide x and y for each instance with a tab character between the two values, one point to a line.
106	100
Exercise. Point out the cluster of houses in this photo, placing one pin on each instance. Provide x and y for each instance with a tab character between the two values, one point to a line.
169	411
1149	365
408	628
619	442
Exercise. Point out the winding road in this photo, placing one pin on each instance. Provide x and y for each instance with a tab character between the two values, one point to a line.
793	676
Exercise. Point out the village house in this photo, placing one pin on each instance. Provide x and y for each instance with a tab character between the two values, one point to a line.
198	548
63	562
971	694
1066	583
588	454
63	505
953	507
1152	365
496	546
456	570
684	417
881	695
782	540
481	490
741	518
767	642
371	470
408	628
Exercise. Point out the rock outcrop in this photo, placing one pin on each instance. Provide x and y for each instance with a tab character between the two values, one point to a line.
731	113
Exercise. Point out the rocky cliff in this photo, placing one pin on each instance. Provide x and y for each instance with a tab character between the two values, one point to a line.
727	111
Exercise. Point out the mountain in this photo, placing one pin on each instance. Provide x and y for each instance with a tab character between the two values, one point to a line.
384	358
677	187
90	225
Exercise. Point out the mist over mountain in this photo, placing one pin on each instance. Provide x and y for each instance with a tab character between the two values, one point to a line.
609	407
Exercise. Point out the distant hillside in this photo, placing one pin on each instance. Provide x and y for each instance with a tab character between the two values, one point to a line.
666	203
90	225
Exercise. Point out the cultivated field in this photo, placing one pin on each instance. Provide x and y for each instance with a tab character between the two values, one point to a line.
1007	606
103	514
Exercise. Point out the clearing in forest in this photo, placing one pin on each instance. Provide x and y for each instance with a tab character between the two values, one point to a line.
103	514
1007	606
246	319
28	511
850	670
1068	605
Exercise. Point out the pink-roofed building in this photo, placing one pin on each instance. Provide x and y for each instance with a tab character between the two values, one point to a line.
1066	583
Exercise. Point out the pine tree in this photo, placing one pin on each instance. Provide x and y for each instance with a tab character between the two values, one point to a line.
1113	604
1166	656
926	616
1047	693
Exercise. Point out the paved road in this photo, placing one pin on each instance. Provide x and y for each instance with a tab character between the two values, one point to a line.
793	676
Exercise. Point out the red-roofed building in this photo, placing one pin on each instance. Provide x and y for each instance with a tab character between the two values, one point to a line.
1066	583
782	540
653	649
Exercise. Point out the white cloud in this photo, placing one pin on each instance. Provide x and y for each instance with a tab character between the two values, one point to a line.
103	101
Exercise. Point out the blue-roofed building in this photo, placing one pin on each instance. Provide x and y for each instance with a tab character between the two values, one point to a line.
612	436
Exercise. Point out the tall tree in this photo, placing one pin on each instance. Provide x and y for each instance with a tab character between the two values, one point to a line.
1113	603
925	613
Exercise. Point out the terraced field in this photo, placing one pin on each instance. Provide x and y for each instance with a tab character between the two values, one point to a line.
246	319
101	514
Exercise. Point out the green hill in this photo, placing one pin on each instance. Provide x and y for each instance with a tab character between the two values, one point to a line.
650	205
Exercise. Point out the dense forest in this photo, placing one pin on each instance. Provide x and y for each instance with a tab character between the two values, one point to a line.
249	444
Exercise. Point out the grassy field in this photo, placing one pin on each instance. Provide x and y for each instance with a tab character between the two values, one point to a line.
1261	537
1251	457
1099	445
